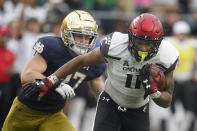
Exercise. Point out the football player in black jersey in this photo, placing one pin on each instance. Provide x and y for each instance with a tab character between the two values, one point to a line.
42	110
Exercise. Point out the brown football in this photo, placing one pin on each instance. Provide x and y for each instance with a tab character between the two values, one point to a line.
156	70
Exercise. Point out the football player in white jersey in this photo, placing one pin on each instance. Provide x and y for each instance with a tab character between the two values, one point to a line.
123	105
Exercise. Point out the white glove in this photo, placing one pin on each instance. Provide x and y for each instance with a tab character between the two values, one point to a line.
65	90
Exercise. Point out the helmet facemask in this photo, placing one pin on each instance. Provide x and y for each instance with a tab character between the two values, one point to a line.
139	55
80	48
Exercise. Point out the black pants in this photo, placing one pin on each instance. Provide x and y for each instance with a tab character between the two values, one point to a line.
112	117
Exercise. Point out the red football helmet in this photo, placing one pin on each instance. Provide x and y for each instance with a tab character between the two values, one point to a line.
147	28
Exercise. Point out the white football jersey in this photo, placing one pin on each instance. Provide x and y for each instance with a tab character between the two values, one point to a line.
122	83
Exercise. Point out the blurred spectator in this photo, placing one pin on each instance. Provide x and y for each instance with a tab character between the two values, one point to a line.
160	7
170	17
15	41
142	6
183	73
21	42
184	6
186	45
74	4
89	4
159	118
121	26
193	5
7	12
14	44
32	10
6	72
82	109
57	10
105	4
192	96
193	23
164	2
32	31
125	6
56	29
41	2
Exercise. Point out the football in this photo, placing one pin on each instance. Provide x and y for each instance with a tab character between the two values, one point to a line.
155	71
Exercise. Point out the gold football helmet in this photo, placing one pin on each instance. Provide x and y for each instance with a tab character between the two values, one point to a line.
79	22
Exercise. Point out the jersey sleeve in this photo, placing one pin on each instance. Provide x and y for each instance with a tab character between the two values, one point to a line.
42	47
96	71
100	69
113	44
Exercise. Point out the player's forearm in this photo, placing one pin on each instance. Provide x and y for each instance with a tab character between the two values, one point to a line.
164	100
89	59
70	67
166	96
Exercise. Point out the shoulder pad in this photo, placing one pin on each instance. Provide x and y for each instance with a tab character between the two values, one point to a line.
168	55
114	44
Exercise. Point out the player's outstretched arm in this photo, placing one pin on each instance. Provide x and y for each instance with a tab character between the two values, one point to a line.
166	96
43	85
92	58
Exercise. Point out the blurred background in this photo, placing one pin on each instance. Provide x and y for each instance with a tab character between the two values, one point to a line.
23	21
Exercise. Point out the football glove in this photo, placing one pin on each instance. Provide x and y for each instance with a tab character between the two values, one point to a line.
40	85
149	83
65	90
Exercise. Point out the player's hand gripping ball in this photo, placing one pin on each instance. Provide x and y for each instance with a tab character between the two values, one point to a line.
157	73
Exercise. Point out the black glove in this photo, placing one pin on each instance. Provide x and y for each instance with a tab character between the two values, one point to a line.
149	83
40	85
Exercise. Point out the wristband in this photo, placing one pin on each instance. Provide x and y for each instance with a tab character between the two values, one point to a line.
53	78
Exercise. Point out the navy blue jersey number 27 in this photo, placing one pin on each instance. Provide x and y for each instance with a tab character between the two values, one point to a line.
76	76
